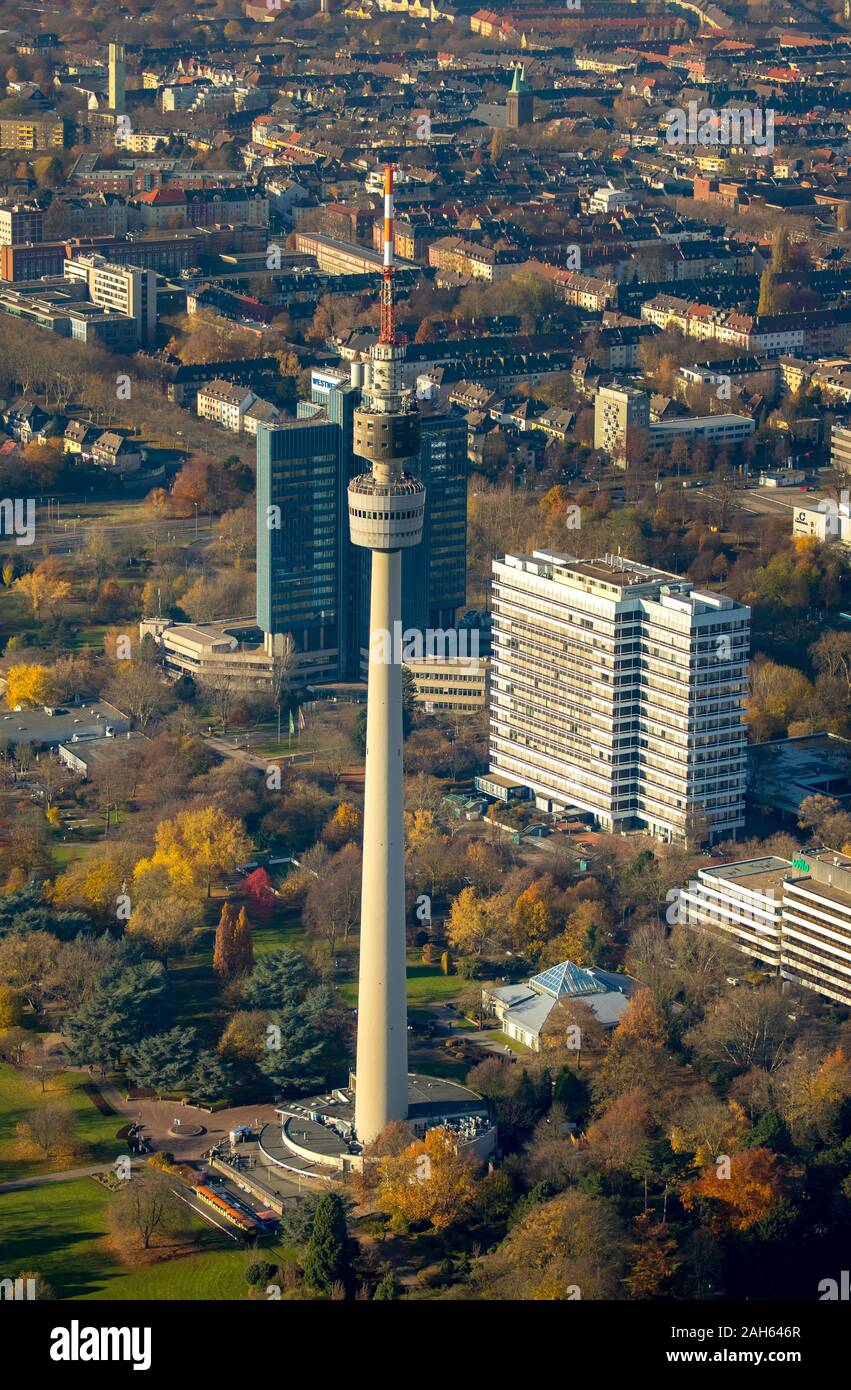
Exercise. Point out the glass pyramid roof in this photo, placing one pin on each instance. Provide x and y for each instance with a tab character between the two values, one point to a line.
565	979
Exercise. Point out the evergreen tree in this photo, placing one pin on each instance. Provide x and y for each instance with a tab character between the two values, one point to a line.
329	1256
165	1060
386	1288
293	1058
127	1004
211	1079
571	1092
277	981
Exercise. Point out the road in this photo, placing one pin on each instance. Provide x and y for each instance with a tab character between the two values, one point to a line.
70	537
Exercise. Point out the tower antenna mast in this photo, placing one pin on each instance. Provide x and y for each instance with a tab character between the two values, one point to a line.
388	324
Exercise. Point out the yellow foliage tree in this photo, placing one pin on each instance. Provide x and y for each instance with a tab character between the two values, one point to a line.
28	685
344	825
470	923
197	847
420	829
431	1180
11	1007
530	920
42	589
96	882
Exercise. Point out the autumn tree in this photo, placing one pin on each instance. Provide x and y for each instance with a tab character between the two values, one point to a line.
530	920
197	847
28	684
260	893
654	1259
744	1028
224	950
49	1131
344	826
431	1180
42	589
739	1191
163	927
572	1247
147	1205
243	945
138	687
470	923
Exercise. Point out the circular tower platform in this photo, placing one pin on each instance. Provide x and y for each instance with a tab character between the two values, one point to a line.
316	1136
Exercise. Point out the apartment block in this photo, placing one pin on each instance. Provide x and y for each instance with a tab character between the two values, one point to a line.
45	132
127	288
225	404
19	224
792	916
618	690
619	411
840	448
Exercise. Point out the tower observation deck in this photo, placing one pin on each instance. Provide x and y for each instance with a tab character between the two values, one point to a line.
386	509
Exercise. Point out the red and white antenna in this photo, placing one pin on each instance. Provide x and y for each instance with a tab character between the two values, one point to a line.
388	327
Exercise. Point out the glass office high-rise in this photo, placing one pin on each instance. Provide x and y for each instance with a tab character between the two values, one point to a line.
311	581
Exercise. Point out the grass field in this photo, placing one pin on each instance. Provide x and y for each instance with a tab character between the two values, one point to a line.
94	1132
426	984
58	1230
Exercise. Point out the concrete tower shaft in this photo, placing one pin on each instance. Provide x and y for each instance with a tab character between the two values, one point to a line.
386	507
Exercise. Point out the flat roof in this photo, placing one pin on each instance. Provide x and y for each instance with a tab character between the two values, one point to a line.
754	873
34	726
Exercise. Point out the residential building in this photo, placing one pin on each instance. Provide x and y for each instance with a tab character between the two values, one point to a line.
225	404
840	447
127	288
19	223
117	453
618	690
619	412
45	132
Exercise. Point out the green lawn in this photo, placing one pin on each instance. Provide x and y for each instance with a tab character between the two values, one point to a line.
94	1131
67	853
426	984
58	1230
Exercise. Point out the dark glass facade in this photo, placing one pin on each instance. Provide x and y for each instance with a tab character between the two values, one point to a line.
311	581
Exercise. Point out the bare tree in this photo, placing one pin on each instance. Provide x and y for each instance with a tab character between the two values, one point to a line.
219	691
283	663
147	1204
50	1129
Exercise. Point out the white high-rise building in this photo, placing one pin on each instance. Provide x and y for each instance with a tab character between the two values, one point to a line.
618	690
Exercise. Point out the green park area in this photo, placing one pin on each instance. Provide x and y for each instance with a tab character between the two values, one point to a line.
86	1137
62	1231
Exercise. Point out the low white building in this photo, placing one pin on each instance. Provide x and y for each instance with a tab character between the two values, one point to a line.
523	1010
825	519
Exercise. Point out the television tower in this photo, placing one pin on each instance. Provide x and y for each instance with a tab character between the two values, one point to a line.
386	508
